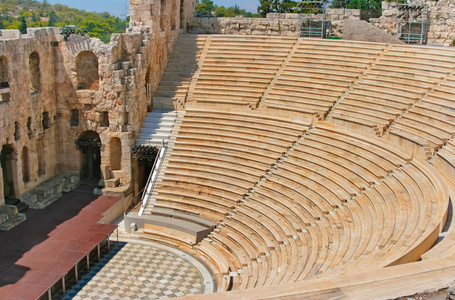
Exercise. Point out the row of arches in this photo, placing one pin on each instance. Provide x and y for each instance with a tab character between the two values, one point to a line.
34	69
86	64
90	161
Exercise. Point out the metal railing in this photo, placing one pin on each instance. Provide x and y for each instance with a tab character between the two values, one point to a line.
151	182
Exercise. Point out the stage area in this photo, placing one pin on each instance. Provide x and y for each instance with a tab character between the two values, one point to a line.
143	270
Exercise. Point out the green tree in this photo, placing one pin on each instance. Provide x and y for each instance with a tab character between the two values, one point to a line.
237	10
363	4
278	6
20	14
23	26
205	7
52	19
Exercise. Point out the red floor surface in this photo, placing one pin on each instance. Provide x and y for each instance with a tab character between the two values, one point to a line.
41	250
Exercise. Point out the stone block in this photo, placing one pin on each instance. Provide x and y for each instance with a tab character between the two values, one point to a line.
112	183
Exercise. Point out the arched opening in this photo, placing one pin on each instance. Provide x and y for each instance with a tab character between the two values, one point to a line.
4	80
25	165
116	153
89	145
8	163
40	154
87	71
35	76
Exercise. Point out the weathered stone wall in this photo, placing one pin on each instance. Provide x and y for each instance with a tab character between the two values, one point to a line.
21	118
276	24
108	94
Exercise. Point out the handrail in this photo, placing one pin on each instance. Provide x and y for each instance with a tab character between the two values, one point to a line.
130	207
154	173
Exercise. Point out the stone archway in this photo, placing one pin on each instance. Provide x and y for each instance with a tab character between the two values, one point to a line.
89	146
87	71
9	172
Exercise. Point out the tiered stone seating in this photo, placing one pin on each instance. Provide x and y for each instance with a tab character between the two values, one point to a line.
397	81
296	201
218	156
337	198
238	69
444	159
430	123
318	73
179	71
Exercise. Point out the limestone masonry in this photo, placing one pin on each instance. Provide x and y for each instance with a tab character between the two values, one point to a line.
67	106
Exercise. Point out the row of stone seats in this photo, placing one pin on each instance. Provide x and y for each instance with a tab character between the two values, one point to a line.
318	73
180	69
211	167
430	123
312	218
396	82
236	69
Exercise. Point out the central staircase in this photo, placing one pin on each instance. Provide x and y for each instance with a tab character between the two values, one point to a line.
157	128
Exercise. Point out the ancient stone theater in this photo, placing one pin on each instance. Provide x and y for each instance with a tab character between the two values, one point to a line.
290	167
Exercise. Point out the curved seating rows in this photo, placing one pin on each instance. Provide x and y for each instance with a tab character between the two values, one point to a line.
295	201
336	199
397	81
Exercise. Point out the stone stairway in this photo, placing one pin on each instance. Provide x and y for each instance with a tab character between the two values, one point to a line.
173	89
171	144
157	128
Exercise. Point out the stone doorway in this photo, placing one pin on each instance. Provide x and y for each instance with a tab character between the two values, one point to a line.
8	162
89	145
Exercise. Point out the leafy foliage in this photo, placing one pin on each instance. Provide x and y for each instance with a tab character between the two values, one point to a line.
206	7
277	6
357	4
15	14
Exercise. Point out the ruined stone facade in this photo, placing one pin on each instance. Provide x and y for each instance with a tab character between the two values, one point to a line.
69	106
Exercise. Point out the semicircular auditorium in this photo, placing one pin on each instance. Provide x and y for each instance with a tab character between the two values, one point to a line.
290	167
